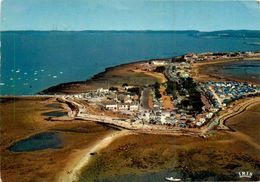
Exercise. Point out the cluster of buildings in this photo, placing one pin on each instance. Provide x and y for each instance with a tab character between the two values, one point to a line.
192	57
117	106
113	100
214	95
221	93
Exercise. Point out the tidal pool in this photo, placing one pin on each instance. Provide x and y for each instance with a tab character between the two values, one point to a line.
55	114
40	141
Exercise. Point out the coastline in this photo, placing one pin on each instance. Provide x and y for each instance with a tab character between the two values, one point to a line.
202	74
97	77
110	72
81	157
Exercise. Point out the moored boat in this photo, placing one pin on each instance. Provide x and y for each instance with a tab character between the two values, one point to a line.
172	179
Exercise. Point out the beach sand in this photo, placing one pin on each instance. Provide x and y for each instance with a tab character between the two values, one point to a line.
83	157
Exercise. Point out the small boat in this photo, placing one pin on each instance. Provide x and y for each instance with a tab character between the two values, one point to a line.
172	179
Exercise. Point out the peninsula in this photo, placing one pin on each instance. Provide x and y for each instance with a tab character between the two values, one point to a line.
173	97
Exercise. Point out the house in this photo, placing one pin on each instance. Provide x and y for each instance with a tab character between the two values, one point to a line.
101	90
123	107
110	106
209	115
134	107
158	63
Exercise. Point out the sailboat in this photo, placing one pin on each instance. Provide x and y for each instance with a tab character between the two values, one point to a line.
172	179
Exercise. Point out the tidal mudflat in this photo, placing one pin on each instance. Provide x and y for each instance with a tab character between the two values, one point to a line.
240	70
21	118
219	157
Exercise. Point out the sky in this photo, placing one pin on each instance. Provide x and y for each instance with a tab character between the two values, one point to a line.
129	15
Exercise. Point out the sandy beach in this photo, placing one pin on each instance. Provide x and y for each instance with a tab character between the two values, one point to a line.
72	171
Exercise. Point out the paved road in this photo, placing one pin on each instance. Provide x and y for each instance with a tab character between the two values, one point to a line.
144	98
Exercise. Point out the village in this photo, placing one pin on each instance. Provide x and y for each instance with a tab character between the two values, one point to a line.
180	102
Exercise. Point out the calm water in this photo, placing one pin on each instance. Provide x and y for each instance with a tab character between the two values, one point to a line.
247	70
34	60
55	114
39	141
145	177
160	177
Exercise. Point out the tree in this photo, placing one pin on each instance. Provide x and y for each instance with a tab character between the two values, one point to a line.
159	69
124	85
156	85
113	89
134	90
157	90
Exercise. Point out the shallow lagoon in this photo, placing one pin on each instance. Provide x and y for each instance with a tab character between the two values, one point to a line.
249	70
40	141
246	70
55	114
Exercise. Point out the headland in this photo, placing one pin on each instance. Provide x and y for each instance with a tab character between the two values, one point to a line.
173	98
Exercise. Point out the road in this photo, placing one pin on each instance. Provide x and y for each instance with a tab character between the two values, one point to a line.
145	97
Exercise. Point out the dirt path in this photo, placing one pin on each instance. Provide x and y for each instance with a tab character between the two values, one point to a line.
72	171
238	109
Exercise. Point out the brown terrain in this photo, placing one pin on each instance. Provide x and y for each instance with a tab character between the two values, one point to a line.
132	74
222	155
21	118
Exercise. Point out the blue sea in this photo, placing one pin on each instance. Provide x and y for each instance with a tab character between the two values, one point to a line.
35	60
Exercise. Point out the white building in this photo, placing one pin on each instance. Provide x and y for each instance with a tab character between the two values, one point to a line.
158	63
134	107
110	106
102	90
123	107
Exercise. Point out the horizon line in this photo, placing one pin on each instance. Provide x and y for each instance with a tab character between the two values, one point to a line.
129	30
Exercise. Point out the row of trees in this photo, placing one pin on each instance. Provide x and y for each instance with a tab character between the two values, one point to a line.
171	88
157	90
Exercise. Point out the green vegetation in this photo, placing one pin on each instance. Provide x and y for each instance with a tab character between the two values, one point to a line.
173	68
160	69
134	90
157	90
113	89
189	87
124	85
186	87
171	88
